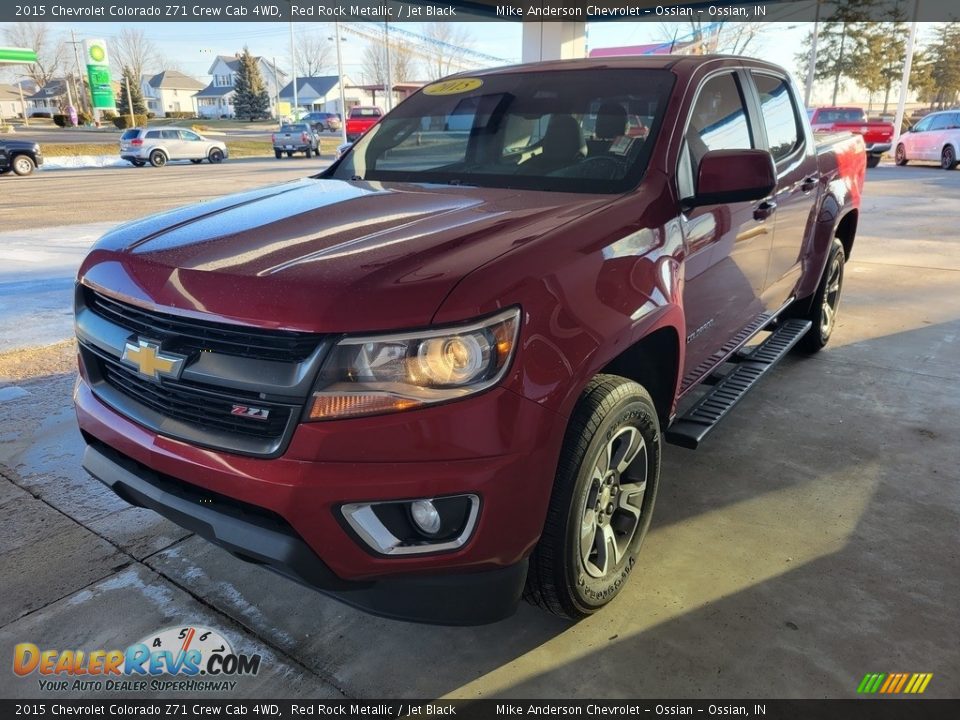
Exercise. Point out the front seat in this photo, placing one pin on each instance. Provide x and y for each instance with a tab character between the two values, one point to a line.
611	124
561	146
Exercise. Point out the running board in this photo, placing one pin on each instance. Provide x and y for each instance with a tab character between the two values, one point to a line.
690	429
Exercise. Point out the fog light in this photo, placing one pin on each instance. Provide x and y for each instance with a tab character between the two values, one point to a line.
425	516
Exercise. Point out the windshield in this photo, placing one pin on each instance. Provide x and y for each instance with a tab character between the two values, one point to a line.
570	130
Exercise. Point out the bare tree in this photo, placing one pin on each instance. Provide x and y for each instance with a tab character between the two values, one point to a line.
402	61
133	49
451	41
733	38
313	55
51	51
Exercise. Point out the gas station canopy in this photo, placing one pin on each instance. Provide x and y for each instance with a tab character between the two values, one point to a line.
10	55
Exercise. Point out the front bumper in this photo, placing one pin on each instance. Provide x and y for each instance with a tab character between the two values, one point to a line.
498	446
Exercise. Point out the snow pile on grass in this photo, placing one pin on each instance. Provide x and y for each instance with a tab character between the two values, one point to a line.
73	162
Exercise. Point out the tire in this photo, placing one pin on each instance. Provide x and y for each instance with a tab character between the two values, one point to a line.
594	526
138	163
23	164
901	155
948	158
278	154
195	161
158	158
826	303
873	161
215	156
289	153
308	152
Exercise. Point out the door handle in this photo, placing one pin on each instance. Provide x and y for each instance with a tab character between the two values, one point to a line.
764	210
808	184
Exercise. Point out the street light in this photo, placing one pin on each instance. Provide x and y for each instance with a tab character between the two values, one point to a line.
343	104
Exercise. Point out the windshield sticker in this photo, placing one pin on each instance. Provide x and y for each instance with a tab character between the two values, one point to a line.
453	87
621	146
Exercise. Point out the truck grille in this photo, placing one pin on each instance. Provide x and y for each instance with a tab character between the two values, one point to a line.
191	404
186	335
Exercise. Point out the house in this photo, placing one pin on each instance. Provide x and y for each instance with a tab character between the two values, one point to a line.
321	94
172	91
48	99
10	102
216	99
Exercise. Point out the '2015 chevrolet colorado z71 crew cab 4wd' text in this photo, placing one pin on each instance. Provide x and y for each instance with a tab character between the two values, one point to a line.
436	377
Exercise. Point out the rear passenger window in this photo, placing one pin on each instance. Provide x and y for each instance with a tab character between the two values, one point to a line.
719	119
169	134
152	134
779	115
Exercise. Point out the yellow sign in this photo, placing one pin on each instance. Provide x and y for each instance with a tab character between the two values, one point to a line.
453	87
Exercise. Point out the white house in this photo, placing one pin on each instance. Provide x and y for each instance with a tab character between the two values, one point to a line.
9	102
170	91
216	100
49	99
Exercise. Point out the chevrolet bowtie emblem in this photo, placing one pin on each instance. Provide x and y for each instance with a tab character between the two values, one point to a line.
152	362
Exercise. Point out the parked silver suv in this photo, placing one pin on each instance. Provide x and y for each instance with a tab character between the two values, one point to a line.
161	144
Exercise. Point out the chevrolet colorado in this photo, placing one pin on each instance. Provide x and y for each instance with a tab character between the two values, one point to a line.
437	376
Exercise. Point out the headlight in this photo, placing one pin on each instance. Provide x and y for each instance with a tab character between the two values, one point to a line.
371	375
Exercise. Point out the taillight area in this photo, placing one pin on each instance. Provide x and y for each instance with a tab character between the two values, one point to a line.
136	142
304	137
273	138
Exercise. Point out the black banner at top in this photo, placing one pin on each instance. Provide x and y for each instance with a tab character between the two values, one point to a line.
79	11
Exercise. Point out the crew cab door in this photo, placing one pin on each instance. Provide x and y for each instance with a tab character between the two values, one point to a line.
785	137
727	245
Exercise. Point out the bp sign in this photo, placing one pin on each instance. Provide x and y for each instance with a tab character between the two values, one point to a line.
98	71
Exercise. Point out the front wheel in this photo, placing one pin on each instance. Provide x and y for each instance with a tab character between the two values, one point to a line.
826	302
602	500
900	156
948	158
23	165
873	161
215	156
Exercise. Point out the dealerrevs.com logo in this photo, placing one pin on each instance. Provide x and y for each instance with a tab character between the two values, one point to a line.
186	659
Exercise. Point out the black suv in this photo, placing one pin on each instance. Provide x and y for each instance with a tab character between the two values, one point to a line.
20	156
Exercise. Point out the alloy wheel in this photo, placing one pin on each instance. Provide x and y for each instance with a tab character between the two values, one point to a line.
831	298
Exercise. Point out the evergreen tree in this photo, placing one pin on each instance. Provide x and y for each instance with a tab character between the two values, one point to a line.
251	99
136	93
944	63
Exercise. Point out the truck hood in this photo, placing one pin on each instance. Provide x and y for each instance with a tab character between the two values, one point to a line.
323	255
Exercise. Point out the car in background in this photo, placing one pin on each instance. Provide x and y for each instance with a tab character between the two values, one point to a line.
935	138
877	134
293	138
158	146
321	121
19	156
360	120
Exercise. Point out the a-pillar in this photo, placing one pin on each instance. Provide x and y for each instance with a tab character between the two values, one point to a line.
554	40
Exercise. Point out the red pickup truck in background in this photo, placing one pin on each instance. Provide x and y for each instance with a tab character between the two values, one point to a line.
877	134
361	119
437	376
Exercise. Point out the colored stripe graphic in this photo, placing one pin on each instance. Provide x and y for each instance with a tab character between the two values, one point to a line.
894	683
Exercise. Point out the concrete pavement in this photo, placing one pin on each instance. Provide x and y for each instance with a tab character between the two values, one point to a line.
813	538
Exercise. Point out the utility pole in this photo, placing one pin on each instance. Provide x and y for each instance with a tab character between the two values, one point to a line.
293	63
133	122
66	84
389	79
76	55
276	87
811	70
23	105
343	104
905	80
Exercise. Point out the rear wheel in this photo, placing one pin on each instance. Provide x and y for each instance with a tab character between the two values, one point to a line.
138	163
873	161
278	154
290	153
826	302
901	155
602	500
158	158
948	158
308	152
215	156
23	164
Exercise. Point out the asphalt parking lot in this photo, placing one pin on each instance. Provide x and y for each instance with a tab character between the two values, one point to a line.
812	539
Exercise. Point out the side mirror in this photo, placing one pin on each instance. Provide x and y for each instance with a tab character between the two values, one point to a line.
730	176
342	149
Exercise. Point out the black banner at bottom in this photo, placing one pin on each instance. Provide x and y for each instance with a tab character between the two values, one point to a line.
858	709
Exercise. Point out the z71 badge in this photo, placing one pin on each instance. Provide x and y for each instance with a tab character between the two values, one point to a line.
247	411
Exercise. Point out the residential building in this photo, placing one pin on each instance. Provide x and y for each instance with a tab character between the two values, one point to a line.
48	99
170	91
216	99
10	103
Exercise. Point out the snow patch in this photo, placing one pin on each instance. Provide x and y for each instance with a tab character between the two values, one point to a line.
74	162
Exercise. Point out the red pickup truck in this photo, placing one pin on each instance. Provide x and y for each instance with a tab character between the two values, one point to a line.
361	119
437	377
877	134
